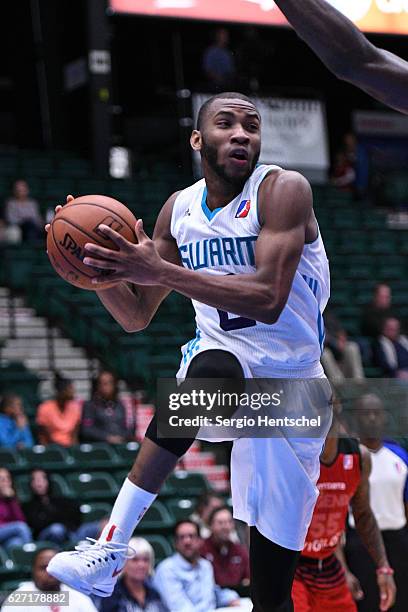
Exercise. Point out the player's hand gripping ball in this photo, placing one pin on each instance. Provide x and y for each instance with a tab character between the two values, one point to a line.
76	224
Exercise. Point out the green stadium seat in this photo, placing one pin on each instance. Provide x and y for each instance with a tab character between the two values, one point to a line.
94	455
180	508
161	546
94	511
12	459
74	167
51	457
157	519
93	486
127	453
188	484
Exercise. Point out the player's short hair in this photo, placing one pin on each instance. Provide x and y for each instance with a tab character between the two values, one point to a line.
228	95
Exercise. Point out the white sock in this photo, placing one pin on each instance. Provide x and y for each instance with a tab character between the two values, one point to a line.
129	508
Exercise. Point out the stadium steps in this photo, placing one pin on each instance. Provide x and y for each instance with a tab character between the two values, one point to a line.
28	338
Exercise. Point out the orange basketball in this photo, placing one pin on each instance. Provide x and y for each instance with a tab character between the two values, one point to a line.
75	225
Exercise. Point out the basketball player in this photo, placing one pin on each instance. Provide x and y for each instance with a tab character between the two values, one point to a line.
320	582
242	243
347	53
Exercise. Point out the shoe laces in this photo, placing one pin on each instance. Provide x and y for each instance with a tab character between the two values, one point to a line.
96	552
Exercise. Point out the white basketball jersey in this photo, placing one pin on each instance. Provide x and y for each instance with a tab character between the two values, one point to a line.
222	242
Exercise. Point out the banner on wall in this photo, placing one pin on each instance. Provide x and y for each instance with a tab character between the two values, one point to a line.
383	16
294	134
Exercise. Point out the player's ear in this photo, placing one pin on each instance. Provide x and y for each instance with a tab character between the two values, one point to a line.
196	140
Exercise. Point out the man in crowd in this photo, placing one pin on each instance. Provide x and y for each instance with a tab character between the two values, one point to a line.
229	559
186	580
379	309
391	350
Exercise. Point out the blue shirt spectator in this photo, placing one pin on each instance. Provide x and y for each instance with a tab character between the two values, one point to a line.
219	63
186	581
14	429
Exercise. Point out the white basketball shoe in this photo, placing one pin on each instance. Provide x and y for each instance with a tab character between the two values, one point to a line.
94	566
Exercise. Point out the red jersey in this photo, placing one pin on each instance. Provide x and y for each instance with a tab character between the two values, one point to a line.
337	484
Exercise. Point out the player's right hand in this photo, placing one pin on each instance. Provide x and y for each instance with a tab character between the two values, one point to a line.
58	207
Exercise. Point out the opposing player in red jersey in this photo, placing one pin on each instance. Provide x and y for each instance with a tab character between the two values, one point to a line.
321	584
347	52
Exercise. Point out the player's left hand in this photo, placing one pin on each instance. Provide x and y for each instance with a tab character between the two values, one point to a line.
387	588
138	263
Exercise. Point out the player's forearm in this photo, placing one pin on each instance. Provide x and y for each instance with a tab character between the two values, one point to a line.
371	537
241	294
125	307
332	36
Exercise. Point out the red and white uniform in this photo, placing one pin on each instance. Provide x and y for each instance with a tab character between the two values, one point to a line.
319	584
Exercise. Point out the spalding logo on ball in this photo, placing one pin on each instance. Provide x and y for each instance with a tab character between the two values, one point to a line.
78	223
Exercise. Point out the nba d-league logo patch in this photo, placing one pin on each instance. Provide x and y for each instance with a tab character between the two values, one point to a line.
243	209
348	462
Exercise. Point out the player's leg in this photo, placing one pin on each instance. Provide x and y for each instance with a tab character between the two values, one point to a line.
272	572
301	597
95	569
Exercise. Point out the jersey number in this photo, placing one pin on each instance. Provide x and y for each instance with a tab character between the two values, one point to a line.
228	324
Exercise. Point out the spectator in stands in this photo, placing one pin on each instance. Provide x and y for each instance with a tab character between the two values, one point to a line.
206	504
14	530
42	582
218	63
134	590
343	174
23	212
186	580
391	350
389	502
59	419
52	518
104	417
377	311
341	357
14	429
229	559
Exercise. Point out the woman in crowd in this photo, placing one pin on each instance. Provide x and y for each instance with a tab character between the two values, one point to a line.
14	530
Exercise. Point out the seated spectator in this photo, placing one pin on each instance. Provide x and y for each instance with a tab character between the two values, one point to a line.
389	502
229	559
14	429
186	580
218	62
14	530
134	590
22	211
52	518
341	357
45	583
58	419
104	417
343	175
206	504
391	351
377	311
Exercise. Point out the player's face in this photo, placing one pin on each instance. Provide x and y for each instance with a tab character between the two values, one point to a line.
43	581
231	140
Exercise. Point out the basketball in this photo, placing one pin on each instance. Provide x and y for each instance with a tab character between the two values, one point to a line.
77	224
